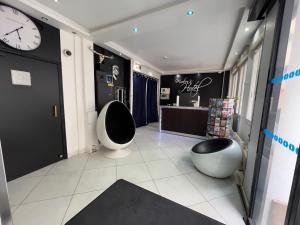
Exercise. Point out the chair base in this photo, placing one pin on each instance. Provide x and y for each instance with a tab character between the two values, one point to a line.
115	154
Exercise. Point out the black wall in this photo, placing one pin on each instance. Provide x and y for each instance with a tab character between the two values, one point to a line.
214	90
49	51
104	93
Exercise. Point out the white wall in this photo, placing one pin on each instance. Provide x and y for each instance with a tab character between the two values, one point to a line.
69	93
79	95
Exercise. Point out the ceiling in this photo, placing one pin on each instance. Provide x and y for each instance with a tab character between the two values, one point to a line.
201	42
95	14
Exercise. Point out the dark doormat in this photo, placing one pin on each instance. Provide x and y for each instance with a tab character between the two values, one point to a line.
124	203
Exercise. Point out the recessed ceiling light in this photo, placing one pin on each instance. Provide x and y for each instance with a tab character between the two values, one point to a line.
135	29
236	53
166	57
56	1
190	12
247	29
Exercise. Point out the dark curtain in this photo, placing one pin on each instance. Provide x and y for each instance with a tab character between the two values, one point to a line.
152	113
139	100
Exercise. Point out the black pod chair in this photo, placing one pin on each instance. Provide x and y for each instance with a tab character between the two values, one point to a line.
115	129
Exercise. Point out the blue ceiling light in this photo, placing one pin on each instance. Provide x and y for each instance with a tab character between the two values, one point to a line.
190	12
135	30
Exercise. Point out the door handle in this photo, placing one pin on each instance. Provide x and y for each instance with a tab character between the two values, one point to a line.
55	111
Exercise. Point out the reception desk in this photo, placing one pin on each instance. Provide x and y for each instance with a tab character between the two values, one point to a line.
191	121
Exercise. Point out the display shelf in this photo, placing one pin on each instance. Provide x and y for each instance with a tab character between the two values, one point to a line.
220	117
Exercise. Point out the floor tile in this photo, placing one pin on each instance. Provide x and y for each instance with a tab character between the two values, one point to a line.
148	185
230	208
210	187
13	209
184	164
133	147
153	155
206	209
53	186
162	169
133	173
175	152
97	160
72	164
173	171
165	143
146	145
132	158
80	201
18	189
49	212
149	148
188	147
97	179
41	172
180	190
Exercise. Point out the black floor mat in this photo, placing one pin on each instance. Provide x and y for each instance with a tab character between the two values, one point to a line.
124	203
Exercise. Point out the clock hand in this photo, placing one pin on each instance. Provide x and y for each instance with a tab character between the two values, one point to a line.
13	31
19	35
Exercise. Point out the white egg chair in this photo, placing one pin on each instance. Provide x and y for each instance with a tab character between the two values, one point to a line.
218	157
115	129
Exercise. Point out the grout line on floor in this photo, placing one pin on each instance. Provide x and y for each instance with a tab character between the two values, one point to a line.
153	181
81	174
225	220
183	174
47	199
33	188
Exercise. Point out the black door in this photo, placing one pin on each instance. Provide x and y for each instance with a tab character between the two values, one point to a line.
30	122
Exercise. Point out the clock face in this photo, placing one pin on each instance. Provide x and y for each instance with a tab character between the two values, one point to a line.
17	30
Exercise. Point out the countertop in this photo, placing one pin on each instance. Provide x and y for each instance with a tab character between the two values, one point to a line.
183	107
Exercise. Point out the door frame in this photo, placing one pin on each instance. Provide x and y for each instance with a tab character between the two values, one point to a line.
60	88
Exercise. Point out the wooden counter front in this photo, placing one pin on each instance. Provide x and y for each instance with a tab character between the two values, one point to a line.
185	120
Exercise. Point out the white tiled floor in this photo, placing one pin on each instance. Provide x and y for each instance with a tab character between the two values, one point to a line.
159	163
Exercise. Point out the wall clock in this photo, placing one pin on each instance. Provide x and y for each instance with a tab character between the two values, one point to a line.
18	30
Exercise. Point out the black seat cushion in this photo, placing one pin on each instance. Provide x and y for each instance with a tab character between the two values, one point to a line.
212	145
120	126
127	204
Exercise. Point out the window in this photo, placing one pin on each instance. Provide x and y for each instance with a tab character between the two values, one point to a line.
253	84
240	91
232	93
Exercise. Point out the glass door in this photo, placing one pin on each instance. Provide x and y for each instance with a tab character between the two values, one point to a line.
275	191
